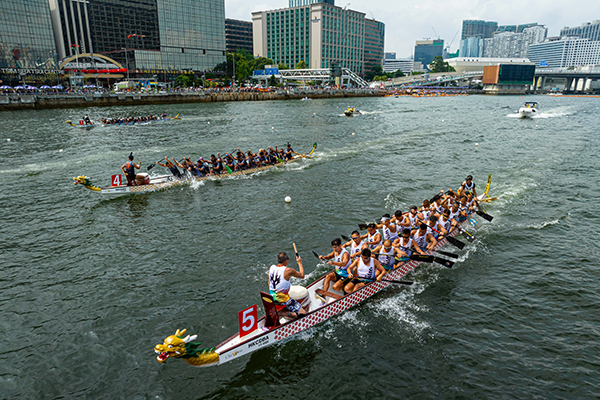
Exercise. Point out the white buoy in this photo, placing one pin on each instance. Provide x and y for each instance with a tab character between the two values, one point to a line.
60	151
288	199
442	120
536	126
272	128
374	117
208	122
8	140
476	144
353	133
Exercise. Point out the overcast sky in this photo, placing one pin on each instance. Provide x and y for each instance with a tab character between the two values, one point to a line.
407	21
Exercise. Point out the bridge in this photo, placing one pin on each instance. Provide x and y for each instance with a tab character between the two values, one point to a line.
435	79
322	75
577	79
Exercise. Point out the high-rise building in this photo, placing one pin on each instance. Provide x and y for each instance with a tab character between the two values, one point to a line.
471	47
510	44
374	40
298	3
238	35
26	37
157	35
427	50
565	52
389	56
320	34
589	30
478	28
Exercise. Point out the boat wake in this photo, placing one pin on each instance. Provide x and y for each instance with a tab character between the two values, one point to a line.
544	224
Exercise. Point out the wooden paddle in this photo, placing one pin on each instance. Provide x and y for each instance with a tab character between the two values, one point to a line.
295	249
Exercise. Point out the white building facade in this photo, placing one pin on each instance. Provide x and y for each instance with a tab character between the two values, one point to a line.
511	44
565	52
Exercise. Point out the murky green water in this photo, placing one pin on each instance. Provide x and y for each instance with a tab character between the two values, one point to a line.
88	285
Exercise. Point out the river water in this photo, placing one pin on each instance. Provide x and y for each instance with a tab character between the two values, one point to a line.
89	284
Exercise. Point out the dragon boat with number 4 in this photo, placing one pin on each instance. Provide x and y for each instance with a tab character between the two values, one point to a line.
255	333
166	181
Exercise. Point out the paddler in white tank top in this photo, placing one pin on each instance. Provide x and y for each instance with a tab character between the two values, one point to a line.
386	254
425	210
279	286
407	245
388	229
424	239
413	216
340	259
402	222
355	244
364	270
373	236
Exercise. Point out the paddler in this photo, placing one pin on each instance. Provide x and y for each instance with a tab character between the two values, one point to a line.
279	286
373	236
390	230
176	173
129	170
424	238
364	270
356	244
87	120
340	259
407	245
467	187
386	254
289	152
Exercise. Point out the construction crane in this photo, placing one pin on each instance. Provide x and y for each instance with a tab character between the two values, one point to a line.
448	47
435	33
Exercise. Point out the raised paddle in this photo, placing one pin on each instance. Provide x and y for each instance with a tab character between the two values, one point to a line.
346	238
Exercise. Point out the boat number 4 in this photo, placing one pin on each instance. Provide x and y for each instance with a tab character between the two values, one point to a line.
116	180
248	319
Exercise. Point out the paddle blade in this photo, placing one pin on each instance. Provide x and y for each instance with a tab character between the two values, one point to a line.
447	253
362	226
346	238
315	254
421	257
445	263
485	216
150	167
229	171
455	242
467	236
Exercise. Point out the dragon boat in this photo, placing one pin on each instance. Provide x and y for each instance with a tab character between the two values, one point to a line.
81	123
166	181
257	333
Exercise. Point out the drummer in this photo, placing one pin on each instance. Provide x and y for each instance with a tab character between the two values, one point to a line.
279	286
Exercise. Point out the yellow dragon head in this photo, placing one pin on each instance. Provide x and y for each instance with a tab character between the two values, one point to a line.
178	346
85	181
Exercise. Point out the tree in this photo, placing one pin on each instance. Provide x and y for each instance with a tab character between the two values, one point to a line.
283	66
439	65
376	70
183	81
272	81
301	65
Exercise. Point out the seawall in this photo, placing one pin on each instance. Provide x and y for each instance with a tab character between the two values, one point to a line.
9	102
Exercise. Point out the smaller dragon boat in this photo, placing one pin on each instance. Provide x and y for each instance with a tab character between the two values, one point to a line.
81	123
258	333
153	183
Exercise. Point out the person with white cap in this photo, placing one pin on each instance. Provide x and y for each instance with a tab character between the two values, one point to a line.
389	229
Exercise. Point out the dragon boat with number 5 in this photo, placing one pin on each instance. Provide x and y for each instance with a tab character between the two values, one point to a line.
258	333
167	181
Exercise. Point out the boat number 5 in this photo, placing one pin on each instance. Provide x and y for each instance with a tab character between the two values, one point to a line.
116	180
248	320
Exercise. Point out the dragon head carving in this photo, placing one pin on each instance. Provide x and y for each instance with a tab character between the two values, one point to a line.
85	181
178	346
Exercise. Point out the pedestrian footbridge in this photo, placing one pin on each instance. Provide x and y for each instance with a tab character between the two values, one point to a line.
321	75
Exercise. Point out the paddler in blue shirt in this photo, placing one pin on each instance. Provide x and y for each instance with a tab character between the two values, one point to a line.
129	170
176	173
279	286
289	152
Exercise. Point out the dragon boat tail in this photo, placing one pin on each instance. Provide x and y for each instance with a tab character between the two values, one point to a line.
270	329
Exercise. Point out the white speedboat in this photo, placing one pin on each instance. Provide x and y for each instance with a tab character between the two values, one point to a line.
529	109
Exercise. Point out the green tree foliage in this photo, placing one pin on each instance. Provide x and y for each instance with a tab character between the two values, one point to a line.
301	65
272	81
283	66
183	81
439	65
245	65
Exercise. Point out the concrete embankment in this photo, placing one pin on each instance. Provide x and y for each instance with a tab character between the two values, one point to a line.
42	101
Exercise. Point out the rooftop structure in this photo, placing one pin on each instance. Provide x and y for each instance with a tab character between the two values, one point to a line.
589	30
298	3
468	64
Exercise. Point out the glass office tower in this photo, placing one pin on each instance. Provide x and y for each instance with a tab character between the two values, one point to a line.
26	37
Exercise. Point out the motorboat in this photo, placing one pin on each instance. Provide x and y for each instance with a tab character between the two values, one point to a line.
529	109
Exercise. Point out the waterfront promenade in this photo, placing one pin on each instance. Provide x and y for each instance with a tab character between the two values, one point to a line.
20	101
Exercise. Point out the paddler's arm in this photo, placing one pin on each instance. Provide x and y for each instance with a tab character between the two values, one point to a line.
139	164
352	268
328	256
432	242
417	248
380	269
375	241
123	166
345	259
162	165
291	272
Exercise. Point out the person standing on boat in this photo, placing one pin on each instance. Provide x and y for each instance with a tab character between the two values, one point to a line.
279	285
468	186
176	173
129	170
364	270
340	259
